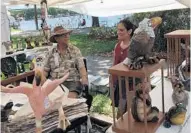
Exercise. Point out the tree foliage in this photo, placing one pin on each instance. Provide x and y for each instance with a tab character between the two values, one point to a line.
28	14
172	20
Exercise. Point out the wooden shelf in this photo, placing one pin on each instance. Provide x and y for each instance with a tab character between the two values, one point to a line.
122	125
178	34
136	127
147	70
16	78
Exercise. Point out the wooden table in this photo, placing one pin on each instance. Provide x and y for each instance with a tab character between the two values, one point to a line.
174	53
126	123
17	78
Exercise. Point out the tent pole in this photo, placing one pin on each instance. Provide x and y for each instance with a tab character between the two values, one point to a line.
35	17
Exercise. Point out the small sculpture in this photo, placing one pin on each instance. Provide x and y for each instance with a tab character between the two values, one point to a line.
28	42
185	81
5	112
8	47
141	44
38	97
137	107
179	94
176	115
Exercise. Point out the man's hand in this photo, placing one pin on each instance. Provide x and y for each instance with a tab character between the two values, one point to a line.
83	74
84	81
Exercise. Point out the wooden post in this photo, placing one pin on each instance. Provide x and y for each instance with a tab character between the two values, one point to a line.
176	55
186	46
170	62
179	51
134	89
168	58
112	98
120	98
35	17
144	101
128	98
162	80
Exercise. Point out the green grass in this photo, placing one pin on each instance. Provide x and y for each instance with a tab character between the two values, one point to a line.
90	46
14	30
102	104
87	45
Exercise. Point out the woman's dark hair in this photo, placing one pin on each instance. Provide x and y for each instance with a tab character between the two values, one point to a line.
128	25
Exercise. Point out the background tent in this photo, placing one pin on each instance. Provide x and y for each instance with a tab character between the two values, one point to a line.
103	8
5	31
37	2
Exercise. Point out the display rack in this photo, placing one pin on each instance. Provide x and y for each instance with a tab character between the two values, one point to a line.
126	123
174	52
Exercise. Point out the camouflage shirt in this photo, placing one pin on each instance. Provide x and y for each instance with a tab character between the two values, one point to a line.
57	63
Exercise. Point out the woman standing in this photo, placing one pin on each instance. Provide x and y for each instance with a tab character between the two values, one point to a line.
125	31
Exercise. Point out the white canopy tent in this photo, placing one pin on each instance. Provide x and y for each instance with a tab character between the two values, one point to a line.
37	2
104	8
5	31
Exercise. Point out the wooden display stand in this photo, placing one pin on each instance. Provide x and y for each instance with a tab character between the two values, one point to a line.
174	49
126	123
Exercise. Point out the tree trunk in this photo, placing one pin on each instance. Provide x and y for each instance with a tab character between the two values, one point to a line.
35	17
95	22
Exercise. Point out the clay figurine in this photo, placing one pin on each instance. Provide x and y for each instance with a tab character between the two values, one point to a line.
179	95
137	107
5	112
185	81
176	115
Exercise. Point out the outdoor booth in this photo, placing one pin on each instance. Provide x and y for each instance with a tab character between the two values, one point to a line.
125	123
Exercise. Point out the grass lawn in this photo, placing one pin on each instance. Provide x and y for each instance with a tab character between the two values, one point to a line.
87	45
90	46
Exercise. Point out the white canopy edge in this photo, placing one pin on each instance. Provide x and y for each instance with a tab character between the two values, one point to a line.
120	7
37	2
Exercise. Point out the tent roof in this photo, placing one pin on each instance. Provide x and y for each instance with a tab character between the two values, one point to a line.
104	8
37	2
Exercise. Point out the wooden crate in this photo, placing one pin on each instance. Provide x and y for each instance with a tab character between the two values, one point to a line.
126	124
174	52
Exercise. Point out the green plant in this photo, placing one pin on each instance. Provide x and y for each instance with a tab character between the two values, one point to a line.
101	104
103	32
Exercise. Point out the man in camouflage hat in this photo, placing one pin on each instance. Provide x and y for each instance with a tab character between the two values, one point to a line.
65	57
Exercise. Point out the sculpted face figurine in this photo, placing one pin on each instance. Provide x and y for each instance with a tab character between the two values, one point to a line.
137	108
179	95
38	95
141	44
